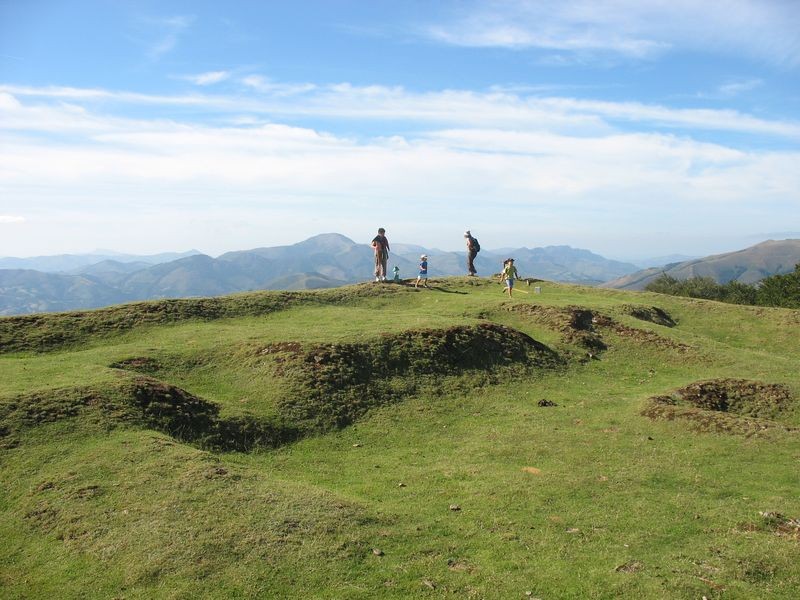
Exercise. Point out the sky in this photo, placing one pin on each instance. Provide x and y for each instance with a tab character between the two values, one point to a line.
632	128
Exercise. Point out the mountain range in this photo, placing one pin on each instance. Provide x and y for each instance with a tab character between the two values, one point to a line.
64	263
65	282
773	257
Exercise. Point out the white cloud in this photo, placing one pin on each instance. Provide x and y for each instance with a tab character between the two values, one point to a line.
208	78
264	85
449	107
555	164
762	29
734	88
11	219
164	33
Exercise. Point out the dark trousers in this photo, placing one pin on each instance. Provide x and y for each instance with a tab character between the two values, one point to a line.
471	254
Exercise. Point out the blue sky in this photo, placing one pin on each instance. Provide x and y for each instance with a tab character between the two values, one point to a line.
631	128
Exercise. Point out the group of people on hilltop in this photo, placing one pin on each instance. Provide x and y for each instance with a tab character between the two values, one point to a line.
380	245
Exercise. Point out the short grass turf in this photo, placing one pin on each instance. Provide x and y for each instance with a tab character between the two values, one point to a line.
466	488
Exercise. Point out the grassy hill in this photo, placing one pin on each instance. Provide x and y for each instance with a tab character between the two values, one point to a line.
380	441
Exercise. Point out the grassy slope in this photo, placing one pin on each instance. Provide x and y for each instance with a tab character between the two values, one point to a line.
620	505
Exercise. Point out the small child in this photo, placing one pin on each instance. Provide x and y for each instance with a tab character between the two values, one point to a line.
396	272
423	271
509	274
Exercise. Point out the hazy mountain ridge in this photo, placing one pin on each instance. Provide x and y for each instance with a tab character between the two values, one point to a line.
65	263
773	257
326	260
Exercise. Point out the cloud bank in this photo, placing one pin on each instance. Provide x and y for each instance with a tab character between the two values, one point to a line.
555	166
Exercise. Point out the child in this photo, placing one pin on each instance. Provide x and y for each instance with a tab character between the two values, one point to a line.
423	271
396	272
509	274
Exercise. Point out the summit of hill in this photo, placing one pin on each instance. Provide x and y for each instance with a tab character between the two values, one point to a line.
326	260
377	440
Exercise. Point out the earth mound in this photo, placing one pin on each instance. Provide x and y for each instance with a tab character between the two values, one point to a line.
725	405
653	314
577	325
333	384
142	402
584	327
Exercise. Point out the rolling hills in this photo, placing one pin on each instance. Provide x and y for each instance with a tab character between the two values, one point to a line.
746	266
379	441
327	260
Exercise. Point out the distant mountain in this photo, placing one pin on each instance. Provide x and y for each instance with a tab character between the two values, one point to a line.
563	263
64	263
110	272
326	260
660	261
557	263
26	291
747	266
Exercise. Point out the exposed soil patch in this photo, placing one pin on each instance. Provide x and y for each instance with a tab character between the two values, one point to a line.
643	336
781	524
139	364
725	405
585	327
144	402
576	324
335	383
293	348
653	314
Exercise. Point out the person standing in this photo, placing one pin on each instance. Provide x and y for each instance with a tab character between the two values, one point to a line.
509	274
381	247
473	247
423	271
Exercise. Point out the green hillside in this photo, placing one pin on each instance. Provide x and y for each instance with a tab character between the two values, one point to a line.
377	441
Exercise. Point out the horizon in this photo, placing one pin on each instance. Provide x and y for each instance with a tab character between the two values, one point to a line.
110	253
634	130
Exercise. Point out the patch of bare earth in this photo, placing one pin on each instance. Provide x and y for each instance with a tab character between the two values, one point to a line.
585	327
736	406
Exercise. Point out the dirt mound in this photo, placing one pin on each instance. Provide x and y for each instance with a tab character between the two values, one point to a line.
725	405
142	402
653	314
333	384
584	327
576	324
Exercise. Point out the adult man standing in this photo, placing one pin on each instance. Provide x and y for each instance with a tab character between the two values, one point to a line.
381	247
473	247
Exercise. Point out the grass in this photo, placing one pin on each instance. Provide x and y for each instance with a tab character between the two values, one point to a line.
584	499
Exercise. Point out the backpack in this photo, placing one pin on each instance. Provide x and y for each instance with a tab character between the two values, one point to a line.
475	245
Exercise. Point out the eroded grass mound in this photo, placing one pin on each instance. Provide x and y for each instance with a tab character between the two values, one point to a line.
54	331
577	325
333	384
141	402
652	314
725	405
327	386
584	327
